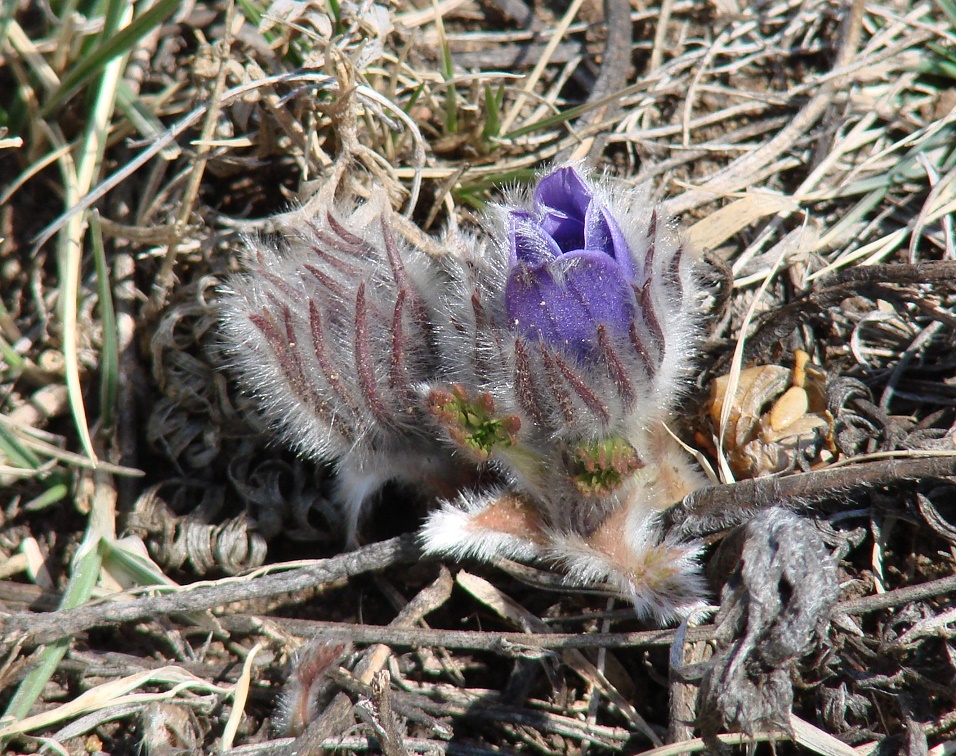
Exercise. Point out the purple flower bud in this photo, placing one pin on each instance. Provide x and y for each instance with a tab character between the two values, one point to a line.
570	268
551	352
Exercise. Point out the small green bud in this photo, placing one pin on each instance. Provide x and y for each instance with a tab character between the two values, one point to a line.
471	422
601	467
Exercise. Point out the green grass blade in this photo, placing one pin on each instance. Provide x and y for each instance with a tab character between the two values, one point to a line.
7	9
251	11
118	557
15	452
492	127
447	73
57	491
10	356
413	98
142	118
109	359
112	47
70	241
86	570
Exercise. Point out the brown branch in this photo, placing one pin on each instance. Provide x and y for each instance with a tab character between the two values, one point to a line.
897	597
532	644
506	644
717	507
30	628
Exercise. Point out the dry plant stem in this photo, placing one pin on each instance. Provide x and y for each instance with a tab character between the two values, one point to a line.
897	597
836	287
660	36
923	338
717	507
727	141
532	645
506	644
683	695
740	173
335	717
377	556
164	277
688	108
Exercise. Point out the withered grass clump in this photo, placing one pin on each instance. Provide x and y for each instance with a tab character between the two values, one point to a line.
162	560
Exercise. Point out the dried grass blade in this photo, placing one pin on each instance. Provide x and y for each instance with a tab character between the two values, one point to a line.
710	232
239	696
560	30
112	693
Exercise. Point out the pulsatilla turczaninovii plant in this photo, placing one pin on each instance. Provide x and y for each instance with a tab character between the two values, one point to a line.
551	348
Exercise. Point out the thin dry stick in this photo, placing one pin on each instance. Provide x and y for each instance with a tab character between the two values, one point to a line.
47	628
715	48
660	35
717	507
897	597
532	644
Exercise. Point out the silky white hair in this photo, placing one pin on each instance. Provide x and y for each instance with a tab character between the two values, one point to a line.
346	333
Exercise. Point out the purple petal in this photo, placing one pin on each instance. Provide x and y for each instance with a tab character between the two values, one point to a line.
601	233
564	302
561	200
529	244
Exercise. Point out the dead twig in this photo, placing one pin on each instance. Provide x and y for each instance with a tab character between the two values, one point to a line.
714	508
34	629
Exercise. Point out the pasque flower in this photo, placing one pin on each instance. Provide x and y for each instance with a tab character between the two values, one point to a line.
570	268
331	327
579	315
576	323
550	350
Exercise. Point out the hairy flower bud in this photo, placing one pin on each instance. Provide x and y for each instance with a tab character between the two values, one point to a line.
333	332
570	268
578	320
553	351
